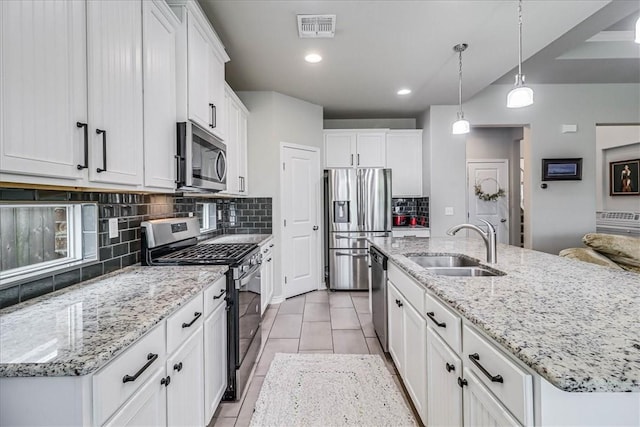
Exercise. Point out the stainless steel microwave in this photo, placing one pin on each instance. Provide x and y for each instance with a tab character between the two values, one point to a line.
201	160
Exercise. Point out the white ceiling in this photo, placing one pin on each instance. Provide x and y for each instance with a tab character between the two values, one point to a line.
382	46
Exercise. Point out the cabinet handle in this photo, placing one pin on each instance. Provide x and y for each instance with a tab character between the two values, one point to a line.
221	293
269	260
165	381
358	162
271	245
178	171
104	150
151	358
431	315
213	116
399	303
450	367
197	315
265	251
86	145
475	357
462	382
177	367
352	160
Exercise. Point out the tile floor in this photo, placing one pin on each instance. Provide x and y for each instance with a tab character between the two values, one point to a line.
317	322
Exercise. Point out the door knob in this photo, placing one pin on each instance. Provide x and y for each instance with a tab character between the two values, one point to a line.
503	220
315	228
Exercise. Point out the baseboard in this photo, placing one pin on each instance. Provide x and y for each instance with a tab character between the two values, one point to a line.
277	300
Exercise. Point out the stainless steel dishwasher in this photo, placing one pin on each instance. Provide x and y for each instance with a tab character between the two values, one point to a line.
379	296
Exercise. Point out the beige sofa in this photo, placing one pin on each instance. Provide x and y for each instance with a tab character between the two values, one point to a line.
618	252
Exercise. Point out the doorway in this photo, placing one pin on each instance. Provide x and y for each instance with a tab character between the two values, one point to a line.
488	195
300	201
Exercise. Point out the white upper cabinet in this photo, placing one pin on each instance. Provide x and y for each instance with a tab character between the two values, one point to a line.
361	149
159	27
404	158
237	120
200	58
114	65
43	88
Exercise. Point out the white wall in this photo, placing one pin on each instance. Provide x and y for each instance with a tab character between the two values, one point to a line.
276	118
408	123
560	215
423	122
615	143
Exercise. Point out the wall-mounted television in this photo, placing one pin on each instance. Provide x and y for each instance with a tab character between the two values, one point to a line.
562	169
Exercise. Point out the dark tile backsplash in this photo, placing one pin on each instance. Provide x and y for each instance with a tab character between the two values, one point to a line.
417	207
239	216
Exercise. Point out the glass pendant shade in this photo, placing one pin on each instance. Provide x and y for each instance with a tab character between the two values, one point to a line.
521	95
637	40
460	126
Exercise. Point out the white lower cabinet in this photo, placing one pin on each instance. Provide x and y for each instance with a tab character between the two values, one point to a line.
408	347
147	406
481	407
185	389
215	359
444	403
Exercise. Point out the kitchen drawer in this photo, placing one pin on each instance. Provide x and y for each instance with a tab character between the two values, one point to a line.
412	291
215	295
183	322
515	391
410	232
142	357
443	321
266	248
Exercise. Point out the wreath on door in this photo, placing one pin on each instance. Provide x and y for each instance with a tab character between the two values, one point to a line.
488	197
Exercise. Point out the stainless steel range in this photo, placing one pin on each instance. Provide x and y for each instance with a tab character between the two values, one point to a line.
175	241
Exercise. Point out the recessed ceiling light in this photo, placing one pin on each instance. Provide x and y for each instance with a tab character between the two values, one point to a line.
404	91
313	58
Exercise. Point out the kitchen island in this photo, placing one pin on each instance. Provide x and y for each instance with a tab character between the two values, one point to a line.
574	325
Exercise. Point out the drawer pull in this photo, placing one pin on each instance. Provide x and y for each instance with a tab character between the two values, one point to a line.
271	245
399	303
475	357
222	291
432	316
151	358
450	367
165	381
197	315
177	367
462	382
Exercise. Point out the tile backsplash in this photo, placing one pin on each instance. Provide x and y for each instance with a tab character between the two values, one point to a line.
246	215
417	207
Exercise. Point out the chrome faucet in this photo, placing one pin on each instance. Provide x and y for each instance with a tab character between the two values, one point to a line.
489	237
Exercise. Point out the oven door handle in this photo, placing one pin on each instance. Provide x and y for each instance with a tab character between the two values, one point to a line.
247	278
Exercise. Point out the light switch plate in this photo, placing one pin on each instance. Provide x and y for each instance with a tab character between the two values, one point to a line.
113	228
448	211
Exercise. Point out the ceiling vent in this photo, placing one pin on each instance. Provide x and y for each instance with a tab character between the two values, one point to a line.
316	26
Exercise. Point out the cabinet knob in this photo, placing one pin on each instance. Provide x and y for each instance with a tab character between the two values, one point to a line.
450	367
177	367
165	381
462	382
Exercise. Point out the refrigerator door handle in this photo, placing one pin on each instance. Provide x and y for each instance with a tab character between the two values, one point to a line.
351	255
350	238
360	197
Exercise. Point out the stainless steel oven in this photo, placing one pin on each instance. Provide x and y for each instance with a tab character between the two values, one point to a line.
201	159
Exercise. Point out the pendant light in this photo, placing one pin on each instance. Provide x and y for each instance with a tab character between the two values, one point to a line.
461	126
521	95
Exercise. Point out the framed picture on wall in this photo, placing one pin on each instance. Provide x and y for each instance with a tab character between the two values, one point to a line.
624	179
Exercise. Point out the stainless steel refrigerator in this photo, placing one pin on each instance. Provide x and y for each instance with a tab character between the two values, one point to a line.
357	206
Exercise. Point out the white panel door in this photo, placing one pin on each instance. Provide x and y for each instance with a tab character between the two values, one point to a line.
404	158
159	78
146	407
415	356
185	392
114	53
301	182
396	327
371	148
43	88
215	359
199	91
481	408
490	176
444	406
339	149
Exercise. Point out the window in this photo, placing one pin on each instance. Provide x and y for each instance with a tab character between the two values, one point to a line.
206	216
39	239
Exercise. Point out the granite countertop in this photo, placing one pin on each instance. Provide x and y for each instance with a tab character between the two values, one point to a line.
574	323
240	238
79	329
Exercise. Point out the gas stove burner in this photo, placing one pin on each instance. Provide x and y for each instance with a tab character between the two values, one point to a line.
207	253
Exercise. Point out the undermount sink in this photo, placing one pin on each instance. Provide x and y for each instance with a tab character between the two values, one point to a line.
429	261
464	271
